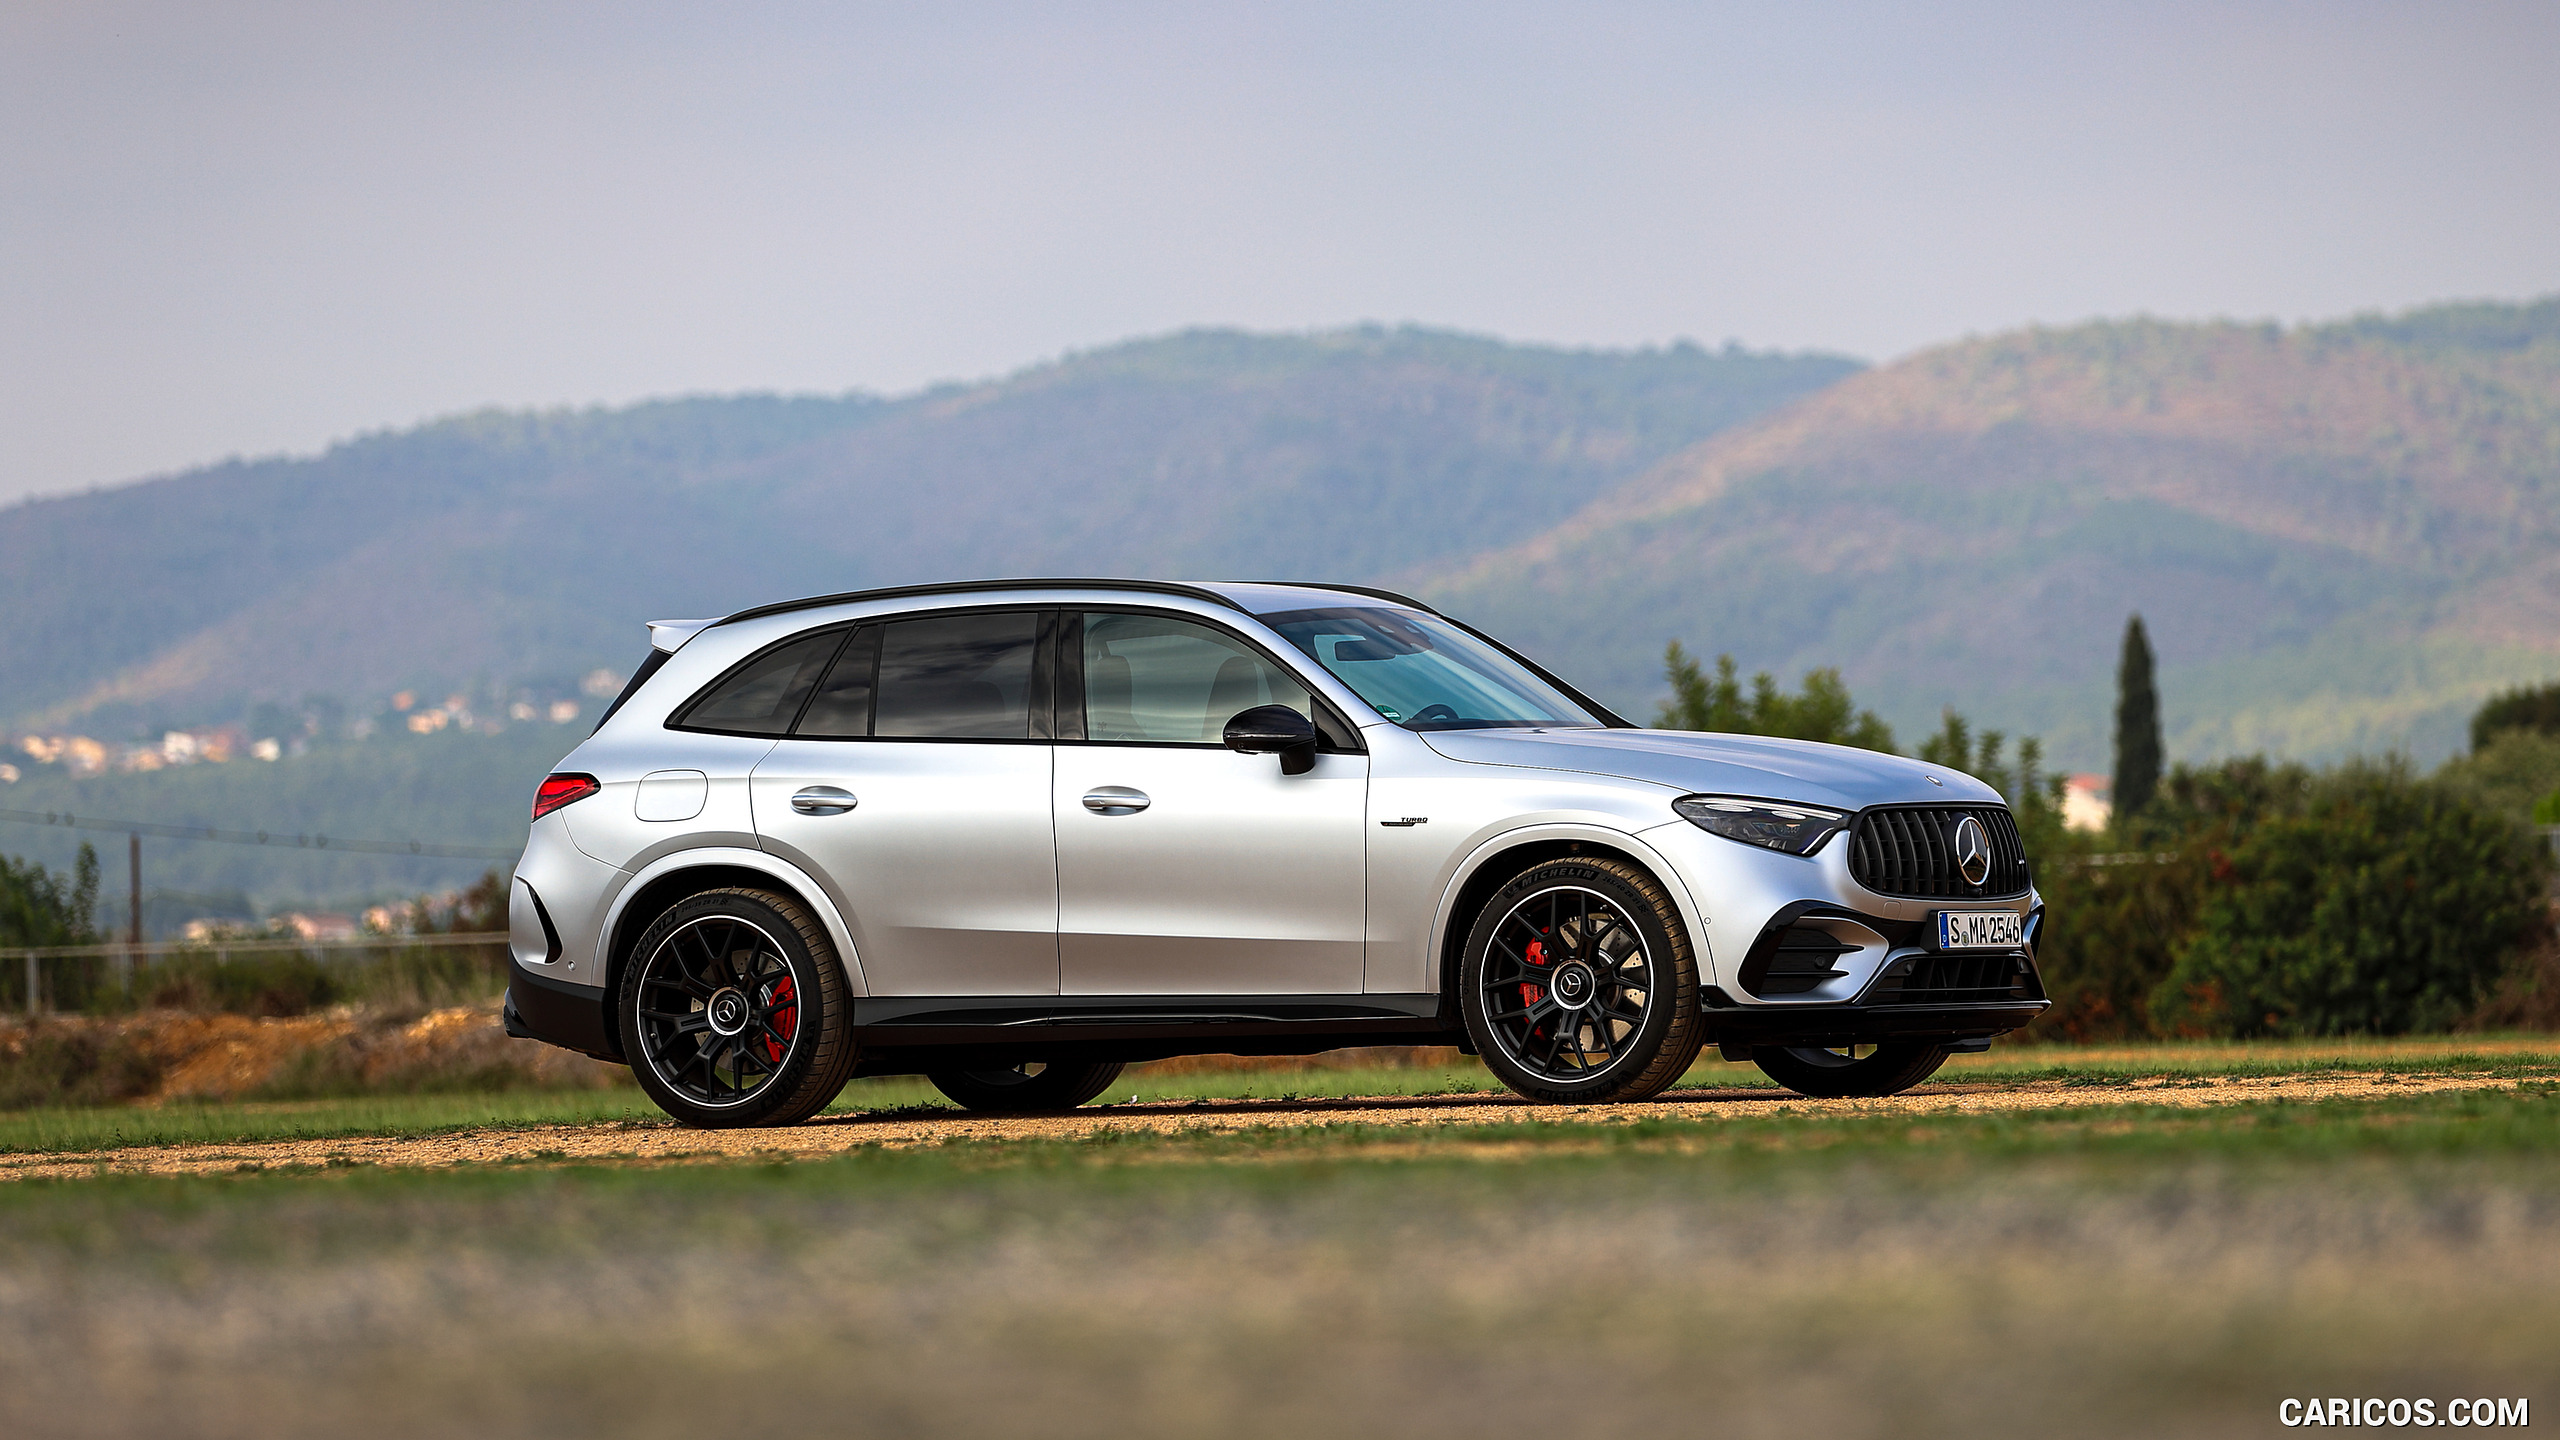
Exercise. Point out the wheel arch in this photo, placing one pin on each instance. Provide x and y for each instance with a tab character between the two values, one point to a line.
669	879
1498	860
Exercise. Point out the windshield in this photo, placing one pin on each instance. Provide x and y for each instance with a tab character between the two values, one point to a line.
1424	673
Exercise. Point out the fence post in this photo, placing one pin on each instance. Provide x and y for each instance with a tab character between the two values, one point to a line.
35	987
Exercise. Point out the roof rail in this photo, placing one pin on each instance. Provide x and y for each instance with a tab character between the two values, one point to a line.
962	587
1371	591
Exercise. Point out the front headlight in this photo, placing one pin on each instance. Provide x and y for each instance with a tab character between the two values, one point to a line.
1795	829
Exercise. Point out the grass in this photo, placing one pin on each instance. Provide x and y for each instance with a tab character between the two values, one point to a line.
108	1127
2114	1269
112	1127
117	1126
2504	1054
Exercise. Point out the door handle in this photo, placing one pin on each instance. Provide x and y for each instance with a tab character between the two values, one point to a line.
823	800
1115	800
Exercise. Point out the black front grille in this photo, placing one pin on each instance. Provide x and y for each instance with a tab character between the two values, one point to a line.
1911	851
1956	980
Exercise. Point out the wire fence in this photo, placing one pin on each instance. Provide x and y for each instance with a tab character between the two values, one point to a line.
252	974
446	849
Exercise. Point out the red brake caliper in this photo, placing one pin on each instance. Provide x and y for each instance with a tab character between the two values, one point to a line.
1532	994
786	1018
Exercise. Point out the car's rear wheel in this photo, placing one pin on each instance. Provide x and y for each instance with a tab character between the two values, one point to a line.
1578	985
1847	1071
1033	1085
734	1011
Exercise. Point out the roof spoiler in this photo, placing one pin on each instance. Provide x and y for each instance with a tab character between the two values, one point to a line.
670	635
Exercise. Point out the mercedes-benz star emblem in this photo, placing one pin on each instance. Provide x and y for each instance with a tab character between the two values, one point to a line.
1973	851
1573	985
728	1012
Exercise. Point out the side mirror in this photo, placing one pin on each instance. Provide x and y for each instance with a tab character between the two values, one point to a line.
1275	730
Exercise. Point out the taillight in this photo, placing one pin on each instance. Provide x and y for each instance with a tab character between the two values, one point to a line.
559	790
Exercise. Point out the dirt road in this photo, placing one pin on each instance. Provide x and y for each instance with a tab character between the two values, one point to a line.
833	1134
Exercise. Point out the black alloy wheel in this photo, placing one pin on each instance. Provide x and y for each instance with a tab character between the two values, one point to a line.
734	1012
1841	1072
1578	984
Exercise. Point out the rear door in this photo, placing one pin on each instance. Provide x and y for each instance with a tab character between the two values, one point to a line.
916	786
1185	868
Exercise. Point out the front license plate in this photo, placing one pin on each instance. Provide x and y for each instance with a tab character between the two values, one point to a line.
1981	930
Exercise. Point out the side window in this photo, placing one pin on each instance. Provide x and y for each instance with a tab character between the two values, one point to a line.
957	677
761	696
842	707
1152	678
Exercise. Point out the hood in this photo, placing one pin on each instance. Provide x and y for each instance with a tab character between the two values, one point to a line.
1838	776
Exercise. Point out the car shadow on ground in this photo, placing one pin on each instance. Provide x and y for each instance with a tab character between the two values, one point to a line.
1339	1105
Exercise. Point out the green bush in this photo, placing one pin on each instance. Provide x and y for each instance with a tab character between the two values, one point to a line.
2111	931
2240	902
1823	711
273	983
54	1064
39	908
2512	773
2532	708
2119	905
2361	900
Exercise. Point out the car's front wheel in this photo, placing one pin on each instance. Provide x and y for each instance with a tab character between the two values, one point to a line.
1846	1071
1578	985
1034	1085
734	1011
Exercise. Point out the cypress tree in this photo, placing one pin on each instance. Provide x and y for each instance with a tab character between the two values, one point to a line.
2137	725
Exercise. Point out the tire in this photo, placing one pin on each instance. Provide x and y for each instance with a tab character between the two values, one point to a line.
1636	1027
765	964
1833	1075
1033	1085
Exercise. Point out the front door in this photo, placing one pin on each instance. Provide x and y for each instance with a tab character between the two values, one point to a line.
1185	868
916	786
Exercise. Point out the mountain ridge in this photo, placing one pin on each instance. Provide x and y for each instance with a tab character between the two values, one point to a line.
2382	475
2341	532
492	546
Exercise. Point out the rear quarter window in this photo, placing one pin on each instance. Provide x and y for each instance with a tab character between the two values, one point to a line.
764	695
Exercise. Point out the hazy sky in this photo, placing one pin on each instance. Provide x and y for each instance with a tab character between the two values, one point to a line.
243	229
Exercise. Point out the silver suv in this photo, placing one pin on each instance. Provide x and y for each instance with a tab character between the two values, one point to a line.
1015	835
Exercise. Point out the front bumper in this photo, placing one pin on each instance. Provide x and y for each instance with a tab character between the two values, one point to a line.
1744	1028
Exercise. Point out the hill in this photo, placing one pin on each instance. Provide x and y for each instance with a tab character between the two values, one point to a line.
500	549
2341	536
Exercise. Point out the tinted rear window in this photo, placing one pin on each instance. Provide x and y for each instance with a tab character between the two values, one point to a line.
957	677
842	707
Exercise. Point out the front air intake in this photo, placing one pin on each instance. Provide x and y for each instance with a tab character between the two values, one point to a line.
1957	980
1912	851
